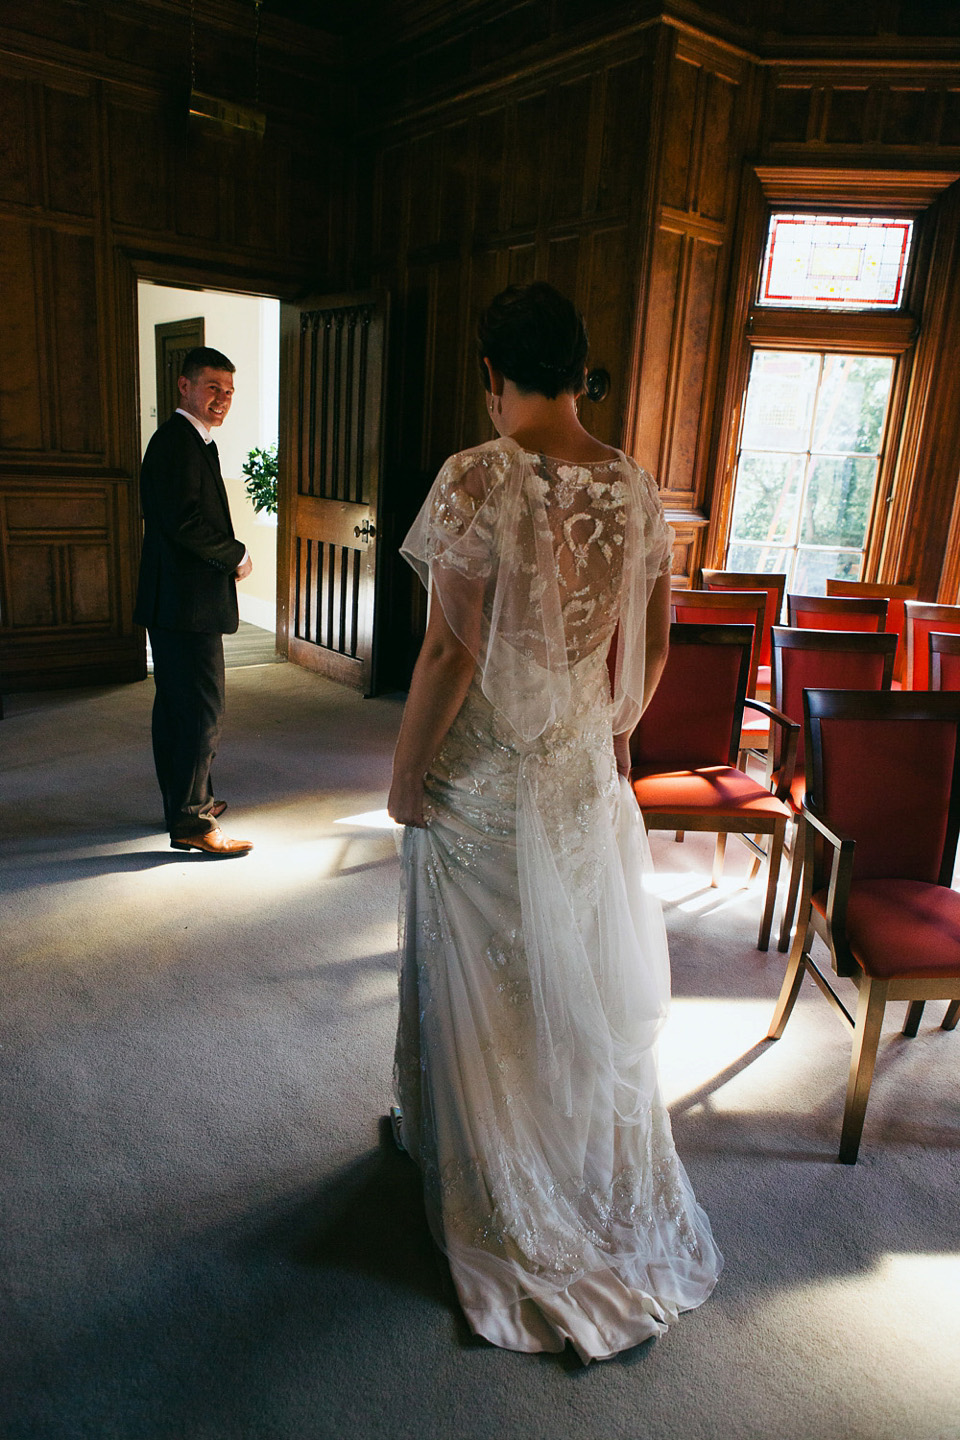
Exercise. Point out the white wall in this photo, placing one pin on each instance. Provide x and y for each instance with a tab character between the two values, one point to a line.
247	329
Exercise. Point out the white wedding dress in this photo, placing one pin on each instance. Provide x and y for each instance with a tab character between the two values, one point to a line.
534	971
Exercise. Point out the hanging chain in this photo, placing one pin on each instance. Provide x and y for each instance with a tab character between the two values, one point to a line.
193	46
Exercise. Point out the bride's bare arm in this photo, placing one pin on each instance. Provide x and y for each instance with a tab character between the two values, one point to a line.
655	657
441	679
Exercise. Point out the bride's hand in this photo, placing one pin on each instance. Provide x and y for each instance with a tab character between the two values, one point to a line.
405	802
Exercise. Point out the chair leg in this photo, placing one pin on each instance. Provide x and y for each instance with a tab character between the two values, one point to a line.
773	875
866	1037
952	1015
790	904
718	855
792	981
679	837
912	1023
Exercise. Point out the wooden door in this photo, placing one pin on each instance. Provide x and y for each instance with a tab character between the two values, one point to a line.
332	370
174	340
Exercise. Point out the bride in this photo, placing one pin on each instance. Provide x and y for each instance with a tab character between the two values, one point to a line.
534	971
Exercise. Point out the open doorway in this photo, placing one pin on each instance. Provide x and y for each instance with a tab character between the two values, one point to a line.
247	328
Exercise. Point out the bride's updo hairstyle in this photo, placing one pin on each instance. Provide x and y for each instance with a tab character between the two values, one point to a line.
535	337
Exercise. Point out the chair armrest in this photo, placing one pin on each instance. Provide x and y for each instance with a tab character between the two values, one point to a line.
790	738
838	891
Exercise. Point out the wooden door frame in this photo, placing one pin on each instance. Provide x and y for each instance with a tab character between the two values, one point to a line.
132	267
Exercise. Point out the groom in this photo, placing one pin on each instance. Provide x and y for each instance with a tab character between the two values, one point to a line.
187	599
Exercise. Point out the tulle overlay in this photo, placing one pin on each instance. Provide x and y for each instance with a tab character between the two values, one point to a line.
534	979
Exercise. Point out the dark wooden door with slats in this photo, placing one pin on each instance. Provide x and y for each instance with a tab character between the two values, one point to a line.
331	388
174	340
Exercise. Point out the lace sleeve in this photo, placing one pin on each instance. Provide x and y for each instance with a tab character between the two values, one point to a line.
452	542
648	555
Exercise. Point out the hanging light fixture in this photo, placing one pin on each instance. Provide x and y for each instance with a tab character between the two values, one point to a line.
227	113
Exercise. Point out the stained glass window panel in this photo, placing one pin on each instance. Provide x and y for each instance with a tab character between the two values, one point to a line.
835	262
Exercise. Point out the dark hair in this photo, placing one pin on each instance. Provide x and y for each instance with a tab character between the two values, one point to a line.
203	358
535	337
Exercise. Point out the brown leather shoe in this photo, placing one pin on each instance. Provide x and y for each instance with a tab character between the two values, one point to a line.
212	842
217	809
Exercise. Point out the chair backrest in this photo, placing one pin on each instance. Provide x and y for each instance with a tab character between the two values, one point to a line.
884	768
824	659
895	595
696	714
835	612
922	617
725	607
944	660
774	585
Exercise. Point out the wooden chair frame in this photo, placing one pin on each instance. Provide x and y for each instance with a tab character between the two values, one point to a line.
925	610
831	925
748	825
722	600
941	642
875	588
774	583
783	638
867	606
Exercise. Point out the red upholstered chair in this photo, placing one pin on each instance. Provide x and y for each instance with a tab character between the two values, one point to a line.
774	585
683	752
725	607
881	817
944	660
835	612
835	659
895	596
731	607
921	619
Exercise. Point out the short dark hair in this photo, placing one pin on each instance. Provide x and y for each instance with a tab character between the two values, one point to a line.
204	358
535	337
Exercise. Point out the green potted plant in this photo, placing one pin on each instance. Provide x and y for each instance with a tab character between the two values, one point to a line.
260	468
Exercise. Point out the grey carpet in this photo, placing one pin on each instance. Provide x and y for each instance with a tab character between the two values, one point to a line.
251	645
206	1233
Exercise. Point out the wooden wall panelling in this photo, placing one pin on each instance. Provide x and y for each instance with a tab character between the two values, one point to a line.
928	462
877	108
23	419
702	120
140	191
525	172
948	591
735	353
20	159
74	346
489	147
605	253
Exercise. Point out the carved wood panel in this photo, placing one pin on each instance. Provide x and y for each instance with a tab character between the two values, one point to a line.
58	543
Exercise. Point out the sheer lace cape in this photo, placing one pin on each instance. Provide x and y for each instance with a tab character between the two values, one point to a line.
536	562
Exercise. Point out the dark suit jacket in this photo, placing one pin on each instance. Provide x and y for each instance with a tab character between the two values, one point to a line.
189	549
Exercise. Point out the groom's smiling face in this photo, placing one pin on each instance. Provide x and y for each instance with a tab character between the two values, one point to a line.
207	396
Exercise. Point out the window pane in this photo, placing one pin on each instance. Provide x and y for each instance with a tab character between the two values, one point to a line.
759	559
852	403
835	262
767	494
780	399
815	567
837	503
